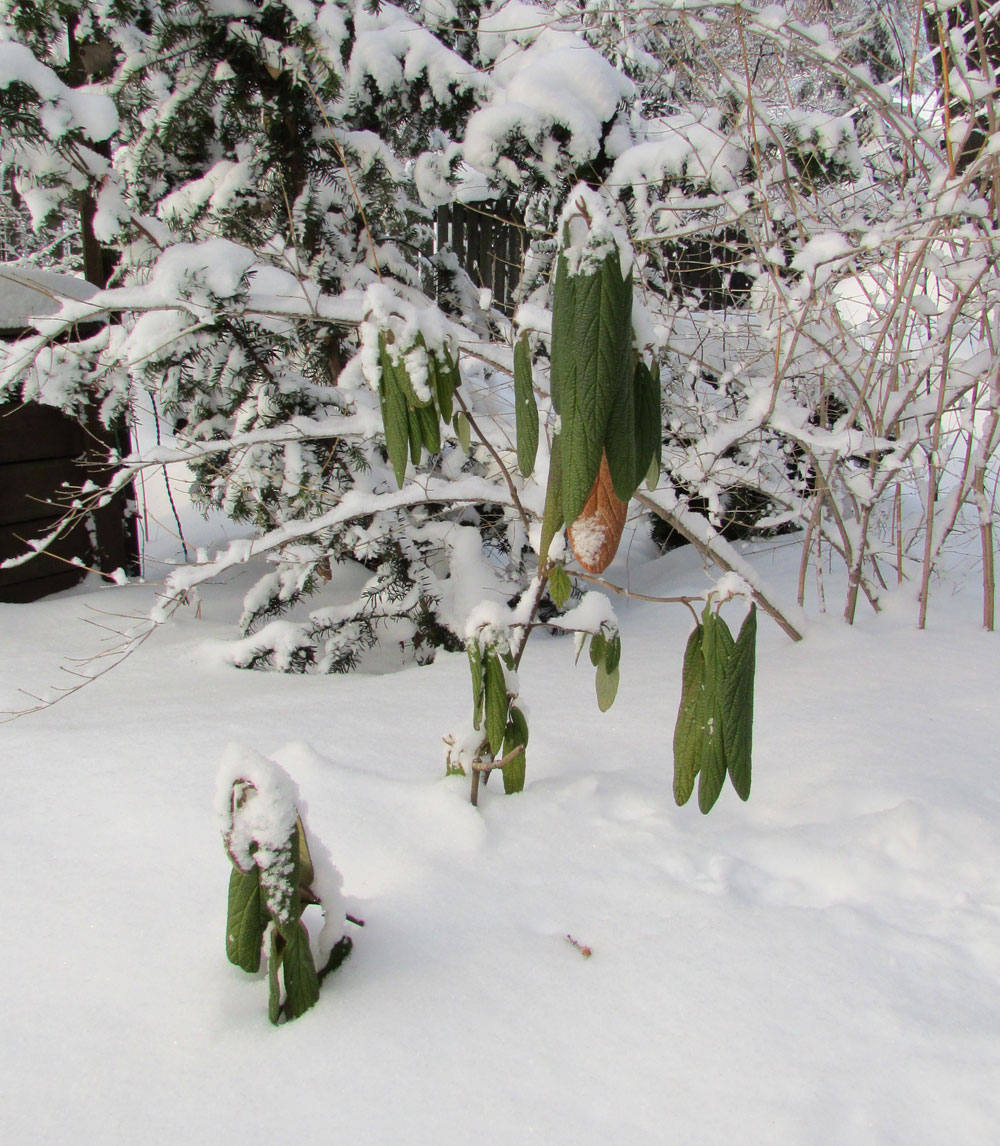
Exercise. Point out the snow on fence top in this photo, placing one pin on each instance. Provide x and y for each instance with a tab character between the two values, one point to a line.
26	291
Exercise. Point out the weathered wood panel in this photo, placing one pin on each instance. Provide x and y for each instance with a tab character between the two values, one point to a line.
488	241
44	458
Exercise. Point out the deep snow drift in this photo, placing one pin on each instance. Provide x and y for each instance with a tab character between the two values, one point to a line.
818	966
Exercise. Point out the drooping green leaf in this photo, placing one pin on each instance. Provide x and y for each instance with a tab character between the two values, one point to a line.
416	434
496	700
525	410
444	381
552	516
476	668
298	971
515	736
563	331
246	919
598	648
560	586
395	414
738	705
607	686
304	872
717	645
273	986
689	730
592	374
613	652
430	429
648	424
620	442
463	431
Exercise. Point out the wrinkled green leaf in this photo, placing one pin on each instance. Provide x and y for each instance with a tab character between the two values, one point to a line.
598	648
552	517
560	586
515	736
496	700
416	436
525	410
246	919
463	431
273	987
717	645
429	428
298	972
607	687
563	331
476	668
444	381
648	424
738	705
592	376
395	414
689	730
304	872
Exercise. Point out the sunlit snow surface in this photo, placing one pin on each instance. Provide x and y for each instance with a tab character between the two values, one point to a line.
819	966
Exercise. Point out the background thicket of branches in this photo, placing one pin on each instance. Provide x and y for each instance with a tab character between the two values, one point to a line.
808	195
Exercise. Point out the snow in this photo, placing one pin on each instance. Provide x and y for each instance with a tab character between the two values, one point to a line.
64	108
814	968
26	291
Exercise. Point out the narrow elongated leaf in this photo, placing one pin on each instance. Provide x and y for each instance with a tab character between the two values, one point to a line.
246	920
516	736
563	332
298	971
607	686
304	872
496	700
430	429
598	648
415	434
738	704
525	410
273	986
689	730
476	668
717	644
395	415
613	653
648	424
552	517
463	431
444	380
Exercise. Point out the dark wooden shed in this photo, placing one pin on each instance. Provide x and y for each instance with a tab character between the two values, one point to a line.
46	455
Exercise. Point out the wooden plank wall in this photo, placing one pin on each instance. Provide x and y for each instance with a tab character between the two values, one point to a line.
488	241
43	458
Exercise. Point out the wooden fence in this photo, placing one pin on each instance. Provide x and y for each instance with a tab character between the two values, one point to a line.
488	240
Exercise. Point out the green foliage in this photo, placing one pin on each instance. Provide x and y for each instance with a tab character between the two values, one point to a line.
515	741
495	688
413	423
592	378
605	655
525	410
560	586
713	734
246	919
269	898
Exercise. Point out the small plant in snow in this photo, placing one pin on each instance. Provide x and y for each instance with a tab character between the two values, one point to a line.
275	877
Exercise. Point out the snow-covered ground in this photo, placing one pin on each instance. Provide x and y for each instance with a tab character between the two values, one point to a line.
818	967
